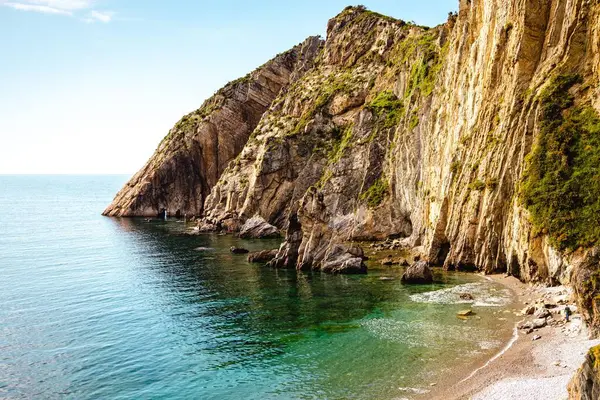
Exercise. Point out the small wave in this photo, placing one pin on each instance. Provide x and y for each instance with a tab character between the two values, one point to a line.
204	248
508	345
483	295
413	390
424	333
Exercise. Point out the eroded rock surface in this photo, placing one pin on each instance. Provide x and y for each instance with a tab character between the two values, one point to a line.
418	273
194	154
585	385
257	228
391	130
262	257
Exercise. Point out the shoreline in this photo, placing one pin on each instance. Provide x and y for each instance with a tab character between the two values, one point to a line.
524	368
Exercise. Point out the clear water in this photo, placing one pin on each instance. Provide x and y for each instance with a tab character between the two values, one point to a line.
92	307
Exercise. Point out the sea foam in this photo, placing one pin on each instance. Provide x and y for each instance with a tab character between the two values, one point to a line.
484	294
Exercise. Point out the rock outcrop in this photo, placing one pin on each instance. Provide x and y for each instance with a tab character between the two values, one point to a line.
474	143
194	154
418	273
263	256
585	385
257	228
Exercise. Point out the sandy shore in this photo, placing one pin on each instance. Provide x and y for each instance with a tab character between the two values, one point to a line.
528	369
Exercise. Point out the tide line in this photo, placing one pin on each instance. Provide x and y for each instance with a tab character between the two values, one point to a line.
512	341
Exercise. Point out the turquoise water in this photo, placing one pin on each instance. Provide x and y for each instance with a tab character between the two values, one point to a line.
92	307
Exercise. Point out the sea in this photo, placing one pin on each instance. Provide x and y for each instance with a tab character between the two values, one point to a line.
107	308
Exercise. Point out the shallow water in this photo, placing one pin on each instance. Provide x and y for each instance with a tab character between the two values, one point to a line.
93	307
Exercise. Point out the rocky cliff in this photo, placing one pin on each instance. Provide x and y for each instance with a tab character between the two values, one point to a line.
476	143
585	385
192	157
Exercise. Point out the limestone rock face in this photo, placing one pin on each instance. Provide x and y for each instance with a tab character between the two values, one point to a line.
585	385
341	259
257	228
192	157
391	130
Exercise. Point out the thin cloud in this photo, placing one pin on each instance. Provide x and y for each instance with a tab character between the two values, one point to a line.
102	16
63	7
37	8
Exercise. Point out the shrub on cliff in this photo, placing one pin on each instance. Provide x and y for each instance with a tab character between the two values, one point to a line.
561	186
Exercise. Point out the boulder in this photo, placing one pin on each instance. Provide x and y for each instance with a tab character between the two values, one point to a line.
343	259
538	323
257	228
529	310
542	312
204	226
418	273
585	385
262	256
387	261
238	250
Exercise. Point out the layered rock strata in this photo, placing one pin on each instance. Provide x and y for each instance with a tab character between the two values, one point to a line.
473	143
194	154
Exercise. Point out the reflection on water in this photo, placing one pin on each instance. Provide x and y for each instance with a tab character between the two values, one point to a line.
122	308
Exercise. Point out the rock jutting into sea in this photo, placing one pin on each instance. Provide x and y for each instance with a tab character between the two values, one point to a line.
473	143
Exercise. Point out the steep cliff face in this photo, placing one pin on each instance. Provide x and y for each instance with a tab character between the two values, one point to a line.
477	143
585	385
190	159
418	133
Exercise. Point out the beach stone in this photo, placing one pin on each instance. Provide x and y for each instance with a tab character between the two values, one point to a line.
465	313
525	325
466	296
529	310
536	337
238	250
262	256
542	313
418	273
257	228
538	323
387	261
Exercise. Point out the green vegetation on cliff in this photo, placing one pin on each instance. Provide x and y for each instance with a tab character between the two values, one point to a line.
561	186
387	105
375	195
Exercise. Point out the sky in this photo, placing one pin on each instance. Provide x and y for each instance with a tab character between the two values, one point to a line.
92	86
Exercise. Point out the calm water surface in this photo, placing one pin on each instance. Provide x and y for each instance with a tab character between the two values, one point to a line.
93	307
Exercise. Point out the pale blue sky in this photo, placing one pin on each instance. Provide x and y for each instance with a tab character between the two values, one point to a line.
92	86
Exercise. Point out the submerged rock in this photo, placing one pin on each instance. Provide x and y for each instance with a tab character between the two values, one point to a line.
387	261
262	256
238	250
418	273
205	227
257	228
465	313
